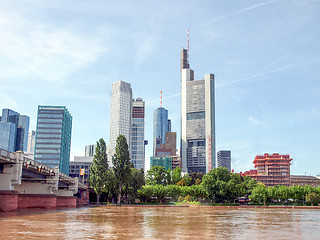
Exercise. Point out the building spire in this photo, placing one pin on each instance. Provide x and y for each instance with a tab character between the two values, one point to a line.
161	99
188	46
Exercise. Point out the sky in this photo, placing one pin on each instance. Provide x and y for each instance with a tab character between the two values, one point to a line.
264	55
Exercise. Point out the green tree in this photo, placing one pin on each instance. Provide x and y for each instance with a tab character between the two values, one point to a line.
313	198
214	184
176	175
159	191
158	175
187	179
194	176
145	192
283	193
297	193
173	191
259	194
135	182
121	164
99	168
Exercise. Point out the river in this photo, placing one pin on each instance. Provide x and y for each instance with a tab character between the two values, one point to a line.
161	223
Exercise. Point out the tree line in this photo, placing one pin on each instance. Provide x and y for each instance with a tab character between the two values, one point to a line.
122	183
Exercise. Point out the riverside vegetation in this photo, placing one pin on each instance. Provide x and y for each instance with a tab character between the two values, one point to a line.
124	184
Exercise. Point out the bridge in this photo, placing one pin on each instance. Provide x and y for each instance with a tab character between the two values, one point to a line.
26	183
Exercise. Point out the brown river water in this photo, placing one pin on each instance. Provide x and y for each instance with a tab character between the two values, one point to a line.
161	223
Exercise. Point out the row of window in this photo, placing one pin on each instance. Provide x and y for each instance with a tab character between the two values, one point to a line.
57	146
49	120
49	125
47	151
52	130
44	135
48	140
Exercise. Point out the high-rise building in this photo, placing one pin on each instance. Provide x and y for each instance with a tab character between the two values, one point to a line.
53	137
13	131
271	170
165	162
121	112
137	134
90	150
31	144
224	159
197	120
160	127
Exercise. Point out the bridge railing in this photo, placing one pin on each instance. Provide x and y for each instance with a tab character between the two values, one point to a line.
37	166
8	155
65	177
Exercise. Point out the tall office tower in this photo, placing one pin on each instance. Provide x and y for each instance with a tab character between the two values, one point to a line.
53	137
13	131
137	134
160	127
121	112
31	144
90	150
224	159
197	120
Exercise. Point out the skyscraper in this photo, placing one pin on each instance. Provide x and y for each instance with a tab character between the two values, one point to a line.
90	150
160	127
13	131
137	134
53	137
121	112
224	159
197	120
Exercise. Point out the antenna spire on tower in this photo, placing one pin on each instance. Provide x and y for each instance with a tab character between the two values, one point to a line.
161	99
188	45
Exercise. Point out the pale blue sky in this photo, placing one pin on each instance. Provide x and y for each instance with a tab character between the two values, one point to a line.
264	54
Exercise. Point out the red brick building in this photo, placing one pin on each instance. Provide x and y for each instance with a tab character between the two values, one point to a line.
271	170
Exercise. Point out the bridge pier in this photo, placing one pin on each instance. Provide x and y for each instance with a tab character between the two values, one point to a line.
8	201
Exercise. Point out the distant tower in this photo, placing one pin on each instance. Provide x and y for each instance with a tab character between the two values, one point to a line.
90	150
161	125
53	137
121	112
224	159
197	120
137	134
13	131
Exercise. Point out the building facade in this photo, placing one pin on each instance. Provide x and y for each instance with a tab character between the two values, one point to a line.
161	125
137	134
271	170
165	162
224	159
197	120
301	180
121	112
81	163
14	130
53	137
90	150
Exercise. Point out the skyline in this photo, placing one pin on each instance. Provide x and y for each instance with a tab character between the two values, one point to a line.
264	55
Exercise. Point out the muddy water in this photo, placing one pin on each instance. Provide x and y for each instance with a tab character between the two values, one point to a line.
160	223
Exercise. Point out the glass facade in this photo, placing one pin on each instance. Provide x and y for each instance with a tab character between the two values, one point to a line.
165	162
121	111
7	136
160	127
137	134
14	131
53	137
197	120
224	159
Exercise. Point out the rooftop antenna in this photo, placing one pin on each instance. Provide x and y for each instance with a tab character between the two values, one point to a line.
161	99
188	46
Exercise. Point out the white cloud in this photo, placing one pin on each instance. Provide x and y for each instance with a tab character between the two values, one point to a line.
257	122
44	51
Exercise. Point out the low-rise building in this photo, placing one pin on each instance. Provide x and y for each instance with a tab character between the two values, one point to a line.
303	180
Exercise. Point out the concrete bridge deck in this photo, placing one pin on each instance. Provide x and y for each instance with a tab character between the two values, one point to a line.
36	184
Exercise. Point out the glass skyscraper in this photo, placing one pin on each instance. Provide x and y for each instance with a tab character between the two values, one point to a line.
120	117
53	137
198	147
137	134
160	127
224	159
13	131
